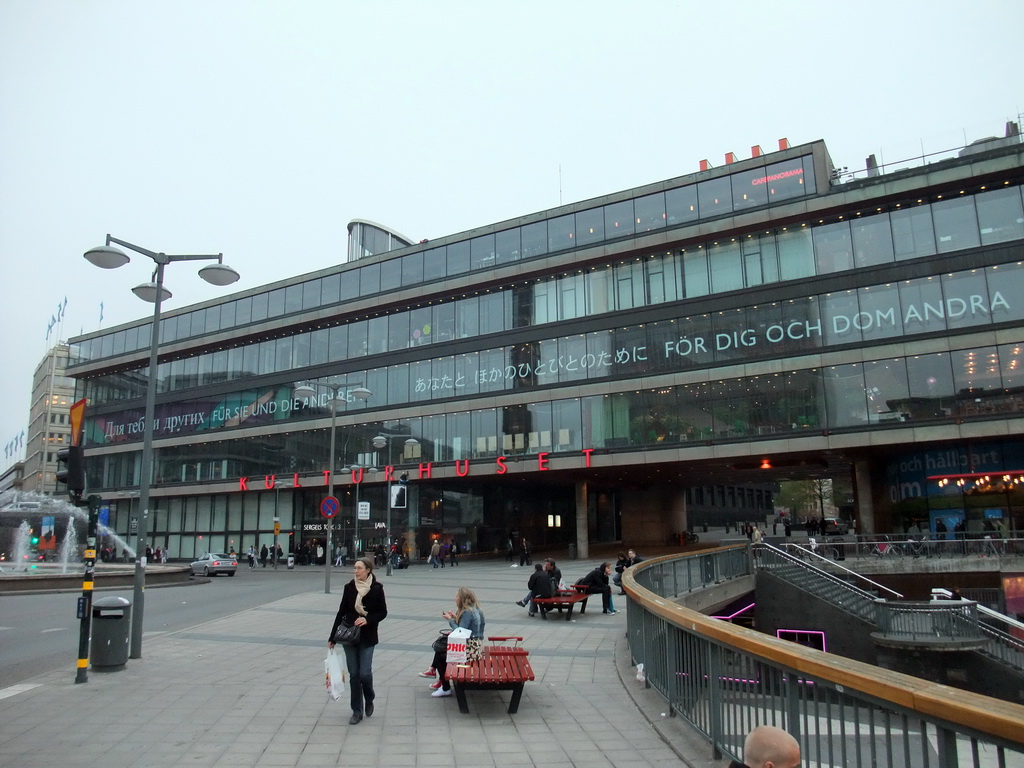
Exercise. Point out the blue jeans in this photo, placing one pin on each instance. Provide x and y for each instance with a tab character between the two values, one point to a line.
359	659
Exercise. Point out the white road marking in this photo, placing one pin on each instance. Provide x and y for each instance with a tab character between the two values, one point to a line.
14	690
55	629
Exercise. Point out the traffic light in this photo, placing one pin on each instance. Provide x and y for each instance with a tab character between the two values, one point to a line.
73	473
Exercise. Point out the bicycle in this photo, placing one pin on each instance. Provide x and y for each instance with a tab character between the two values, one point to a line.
886	548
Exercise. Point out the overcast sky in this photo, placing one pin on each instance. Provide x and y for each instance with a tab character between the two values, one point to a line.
260	129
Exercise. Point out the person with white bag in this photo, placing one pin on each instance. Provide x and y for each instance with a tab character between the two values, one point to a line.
362	605
467	637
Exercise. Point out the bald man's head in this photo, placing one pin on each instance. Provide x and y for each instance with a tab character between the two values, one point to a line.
769	747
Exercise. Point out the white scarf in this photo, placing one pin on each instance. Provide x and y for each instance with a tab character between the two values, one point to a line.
362	588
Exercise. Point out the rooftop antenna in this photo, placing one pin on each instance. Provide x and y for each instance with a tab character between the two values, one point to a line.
559	183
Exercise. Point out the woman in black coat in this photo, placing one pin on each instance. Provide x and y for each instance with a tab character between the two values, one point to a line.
597	581
362	605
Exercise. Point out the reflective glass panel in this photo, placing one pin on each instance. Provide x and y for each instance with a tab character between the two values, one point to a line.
590	226
650	212
1000	216
618	219
956	224
681	205
715	197
872	241
507	246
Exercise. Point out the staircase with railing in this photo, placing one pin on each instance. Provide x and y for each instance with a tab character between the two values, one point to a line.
952	624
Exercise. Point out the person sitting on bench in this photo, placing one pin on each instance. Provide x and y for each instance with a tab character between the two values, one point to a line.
597	582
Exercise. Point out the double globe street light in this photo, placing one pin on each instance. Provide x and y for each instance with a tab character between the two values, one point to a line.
307	392
219	274
384	441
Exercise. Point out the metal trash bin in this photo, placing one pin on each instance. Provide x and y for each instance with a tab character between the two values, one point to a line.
572	551
291	561
111	619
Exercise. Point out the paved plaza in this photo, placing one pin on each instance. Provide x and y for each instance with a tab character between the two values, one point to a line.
248	690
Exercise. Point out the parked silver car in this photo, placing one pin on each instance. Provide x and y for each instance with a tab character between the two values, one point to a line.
213	563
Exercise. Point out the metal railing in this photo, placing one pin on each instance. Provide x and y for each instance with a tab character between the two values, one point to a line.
946	621
725	679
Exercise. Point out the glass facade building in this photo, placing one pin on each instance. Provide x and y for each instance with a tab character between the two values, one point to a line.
574	375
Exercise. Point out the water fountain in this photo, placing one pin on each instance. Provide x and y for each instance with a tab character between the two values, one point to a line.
67	568
20	554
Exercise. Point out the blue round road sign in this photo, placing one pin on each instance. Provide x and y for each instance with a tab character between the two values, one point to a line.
329	506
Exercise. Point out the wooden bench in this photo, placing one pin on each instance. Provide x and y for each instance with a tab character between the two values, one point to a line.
502	667
564	599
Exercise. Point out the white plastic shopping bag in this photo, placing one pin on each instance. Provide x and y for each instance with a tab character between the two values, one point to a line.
457	645
335	675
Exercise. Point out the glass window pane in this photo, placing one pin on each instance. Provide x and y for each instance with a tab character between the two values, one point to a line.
535	239
259	307
275	307
356	339
956	225
796	254
1000	216
369	280
696	281
789	179
377	335
1004	282
715	197
420	329
887	389
319	346
506	246
467	317
599	293
833	247
350	284
482	252
330	290
921	304
749	189
650	212
561	233
966	299
398	331
872	241
434	263
842	310
412	269
458	258
443	322
618	219
293	299
880	316
337	343
912	232
391	275
931	386
590	226
726	266
681	205
310	294
845	400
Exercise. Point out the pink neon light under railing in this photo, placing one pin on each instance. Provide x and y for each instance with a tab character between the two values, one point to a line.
732	616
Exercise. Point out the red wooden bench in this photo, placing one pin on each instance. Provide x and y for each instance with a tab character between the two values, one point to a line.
502	667
564	599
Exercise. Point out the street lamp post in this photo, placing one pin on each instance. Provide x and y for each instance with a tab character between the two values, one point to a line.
109	257
360	393
277	519
381	441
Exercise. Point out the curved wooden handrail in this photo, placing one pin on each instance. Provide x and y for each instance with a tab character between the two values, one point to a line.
984	714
